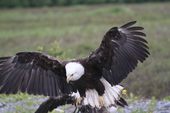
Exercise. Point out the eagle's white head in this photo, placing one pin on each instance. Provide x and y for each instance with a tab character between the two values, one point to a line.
74	71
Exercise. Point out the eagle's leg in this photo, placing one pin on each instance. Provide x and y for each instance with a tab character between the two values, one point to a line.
81	97
100	89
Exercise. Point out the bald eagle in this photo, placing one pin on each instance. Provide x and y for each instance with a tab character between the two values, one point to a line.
93	80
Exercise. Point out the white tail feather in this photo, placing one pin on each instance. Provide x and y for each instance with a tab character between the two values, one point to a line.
91	98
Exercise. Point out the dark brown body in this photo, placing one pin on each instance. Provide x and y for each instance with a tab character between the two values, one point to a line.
90	80
84	84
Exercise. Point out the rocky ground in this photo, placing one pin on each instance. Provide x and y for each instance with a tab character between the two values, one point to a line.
30	104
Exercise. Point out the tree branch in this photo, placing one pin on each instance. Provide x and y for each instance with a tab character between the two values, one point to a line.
53	103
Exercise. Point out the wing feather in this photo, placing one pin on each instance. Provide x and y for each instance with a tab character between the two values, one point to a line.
37	81
49	82
128	24
34	73
120	51
40	81
135	28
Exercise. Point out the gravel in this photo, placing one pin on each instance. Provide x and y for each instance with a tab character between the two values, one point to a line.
138	106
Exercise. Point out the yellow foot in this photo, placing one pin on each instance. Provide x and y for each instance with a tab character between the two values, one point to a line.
101	101
124	92
79	101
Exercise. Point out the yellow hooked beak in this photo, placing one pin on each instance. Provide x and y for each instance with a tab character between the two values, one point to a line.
68	79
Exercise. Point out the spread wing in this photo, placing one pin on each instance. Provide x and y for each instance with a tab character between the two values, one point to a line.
34	73
120	51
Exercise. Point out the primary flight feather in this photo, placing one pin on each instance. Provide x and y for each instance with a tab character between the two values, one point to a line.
95	78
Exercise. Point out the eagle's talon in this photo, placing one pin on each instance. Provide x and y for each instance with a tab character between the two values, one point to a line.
101	101
79	101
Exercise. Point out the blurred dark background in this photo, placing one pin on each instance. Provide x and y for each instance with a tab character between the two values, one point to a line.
40	3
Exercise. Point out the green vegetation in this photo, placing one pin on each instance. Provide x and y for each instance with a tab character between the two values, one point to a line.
73	32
